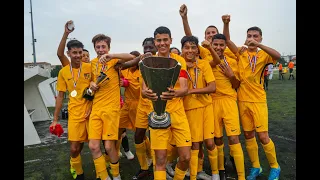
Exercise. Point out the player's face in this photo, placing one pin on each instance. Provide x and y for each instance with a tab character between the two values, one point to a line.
175	51
162	42
149	47
189	51
253	34
209	33
75	54
85	57
101	48
219	45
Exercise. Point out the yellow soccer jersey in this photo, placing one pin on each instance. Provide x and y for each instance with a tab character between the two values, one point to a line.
251	85
77	105
204	77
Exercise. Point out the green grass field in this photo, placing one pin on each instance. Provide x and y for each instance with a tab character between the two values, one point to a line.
50	159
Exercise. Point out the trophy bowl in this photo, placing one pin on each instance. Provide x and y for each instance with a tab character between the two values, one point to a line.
159	73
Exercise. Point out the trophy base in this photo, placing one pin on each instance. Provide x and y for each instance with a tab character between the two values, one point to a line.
86	95
159	122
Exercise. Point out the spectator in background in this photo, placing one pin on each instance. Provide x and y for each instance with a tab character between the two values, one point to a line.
290	66
270	71
280	72
266	79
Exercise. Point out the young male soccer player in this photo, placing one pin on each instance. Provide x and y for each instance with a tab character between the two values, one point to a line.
105	114
252	102
179	123
74	78
198	106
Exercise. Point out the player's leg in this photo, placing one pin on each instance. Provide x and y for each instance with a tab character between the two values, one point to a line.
232	126
208	135
181	134
110	133
261	121
248	126
141	142
159	142
95	135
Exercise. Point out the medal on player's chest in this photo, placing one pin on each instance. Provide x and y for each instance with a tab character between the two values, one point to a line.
253	60
74	92
196	72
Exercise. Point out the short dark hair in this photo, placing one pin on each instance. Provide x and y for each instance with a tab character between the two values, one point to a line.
219	36
101	37
148	39
192	39
255	28
85	50
162	30
74	44
135	53
212	26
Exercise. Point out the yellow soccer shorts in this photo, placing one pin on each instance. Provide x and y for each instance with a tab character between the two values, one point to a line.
77	131
253	116
104	124
179	130
226	114
128	114
142	116
201	122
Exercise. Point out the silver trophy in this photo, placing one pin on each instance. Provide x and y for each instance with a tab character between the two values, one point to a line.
88	93
159	74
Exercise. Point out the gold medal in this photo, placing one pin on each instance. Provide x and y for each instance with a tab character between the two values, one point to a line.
73	93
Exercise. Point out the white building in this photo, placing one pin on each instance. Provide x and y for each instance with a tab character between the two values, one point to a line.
43	65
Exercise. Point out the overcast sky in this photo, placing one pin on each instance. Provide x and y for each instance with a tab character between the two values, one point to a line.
128	22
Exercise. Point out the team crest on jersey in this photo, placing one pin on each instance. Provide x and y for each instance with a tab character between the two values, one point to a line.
87	75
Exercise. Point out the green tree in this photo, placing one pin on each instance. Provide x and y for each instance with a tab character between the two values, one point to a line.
55	71
282	61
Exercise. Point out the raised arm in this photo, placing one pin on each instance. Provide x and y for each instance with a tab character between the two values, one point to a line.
216	60
226	32
60	52
183	13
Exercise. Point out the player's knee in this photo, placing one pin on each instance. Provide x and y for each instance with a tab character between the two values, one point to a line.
185	157
218	141
161	158
74	150
264	137
109	146
94	146
233	140
249	134
195	146
210	144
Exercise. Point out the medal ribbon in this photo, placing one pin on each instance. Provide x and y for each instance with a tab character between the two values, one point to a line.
225	61
102	68
195	82
75	82
253	61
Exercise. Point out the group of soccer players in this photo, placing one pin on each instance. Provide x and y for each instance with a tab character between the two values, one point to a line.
219	86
